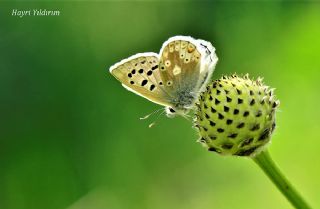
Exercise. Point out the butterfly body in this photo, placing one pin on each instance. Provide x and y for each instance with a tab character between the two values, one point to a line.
173	78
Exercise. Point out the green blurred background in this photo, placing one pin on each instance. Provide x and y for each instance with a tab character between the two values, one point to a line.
70	134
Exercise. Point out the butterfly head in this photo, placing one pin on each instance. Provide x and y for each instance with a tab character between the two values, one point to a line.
172	112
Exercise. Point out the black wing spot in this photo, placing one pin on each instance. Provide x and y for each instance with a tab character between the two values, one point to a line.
220	116
149	73
252	102
213	110
132	82
140	71
144	82
236	112
246	113
212	123
133	71
240	101
152	86
229	122
129	75
160	83
154	67
226	109
229	99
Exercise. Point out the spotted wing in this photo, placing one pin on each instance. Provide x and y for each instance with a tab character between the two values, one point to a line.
186	65
140	74
180	69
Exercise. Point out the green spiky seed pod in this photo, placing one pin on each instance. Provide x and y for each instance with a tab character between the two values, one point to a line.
236	116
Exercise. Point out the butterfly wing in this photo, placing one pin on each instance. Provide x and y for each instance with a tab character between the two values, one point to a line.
140	74
176	78
209	61
184	68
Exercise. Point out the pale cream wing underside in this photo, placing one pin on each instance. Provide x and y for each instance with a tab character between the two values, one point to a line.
141	75
180	65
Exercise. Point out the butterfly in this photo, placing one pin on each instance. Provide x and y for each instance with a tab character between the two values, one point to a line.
174	78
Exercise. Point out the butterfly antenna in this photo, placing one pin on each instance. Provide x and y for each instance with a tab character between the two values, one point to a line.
147	116
154	122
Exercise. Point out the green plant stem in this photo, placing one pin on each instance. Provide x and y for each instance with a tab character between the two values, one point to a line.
265	162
